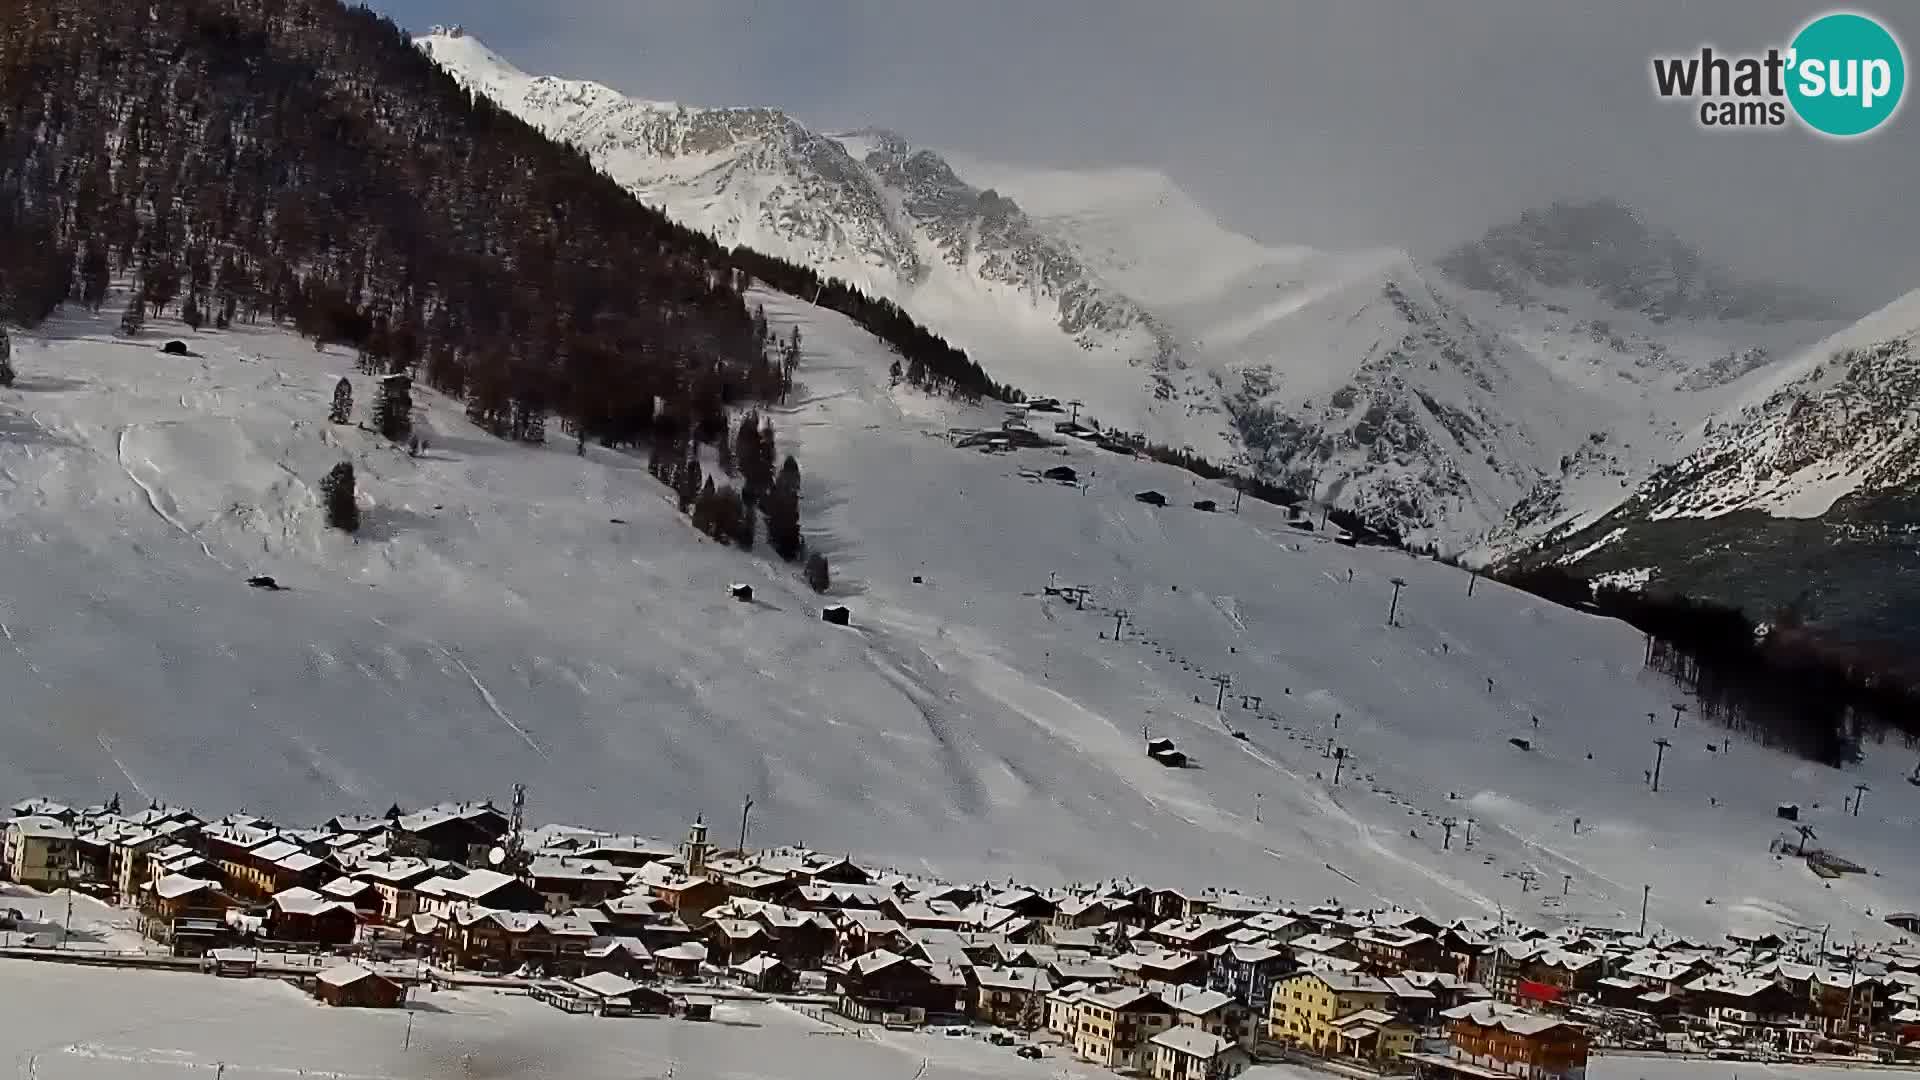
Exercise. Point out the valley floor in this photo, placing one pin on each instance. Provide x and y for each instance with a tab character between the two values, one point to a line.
70	1023
522	614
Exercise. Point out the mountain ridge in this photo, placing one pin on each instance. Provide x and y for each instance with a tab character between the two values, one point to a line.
1389	386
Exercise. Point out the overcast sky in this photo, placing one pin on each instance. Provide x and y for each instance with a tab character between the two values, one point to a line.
1336	124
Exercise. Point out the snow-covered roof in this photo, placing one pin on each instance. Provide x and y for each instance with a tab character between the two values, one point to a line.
1013	978
274	851
1318	943
758	965
346	975
174	886
45	828
1347	982
302	901
1192	1042
606	984
1495	1014
687	950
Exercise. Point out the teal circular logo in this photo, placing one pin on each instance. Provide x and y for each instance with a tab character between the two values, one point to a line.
1847	74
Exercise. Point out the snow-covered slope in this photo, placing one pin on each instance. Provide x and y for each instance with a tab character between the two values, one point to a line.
1800	492
495	623
1839	421
1511	385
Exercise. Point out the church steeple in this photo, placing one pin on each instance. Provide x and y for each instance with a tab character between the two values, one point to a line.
696	849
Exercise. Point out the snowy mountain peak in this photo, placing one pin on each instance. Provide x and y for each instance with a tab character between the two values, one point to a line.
1610	248
1363	377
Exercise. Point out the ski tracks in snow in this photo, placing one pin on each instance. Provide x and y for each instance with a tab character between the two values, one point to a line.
156	499
107	745
493	705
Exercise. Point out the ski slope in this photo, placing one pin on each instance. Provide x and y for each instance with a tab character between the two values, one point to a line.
522	614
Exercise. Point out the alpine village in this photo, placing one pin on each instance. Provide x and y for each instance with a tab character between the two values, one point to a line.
1172	981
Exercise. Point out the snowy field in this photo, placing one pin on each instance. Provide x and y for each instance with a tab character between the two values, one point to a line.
68	1023
494	622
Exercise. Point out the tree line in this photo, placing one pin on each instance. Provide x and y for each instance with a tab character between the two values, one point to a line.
300	162
1778	684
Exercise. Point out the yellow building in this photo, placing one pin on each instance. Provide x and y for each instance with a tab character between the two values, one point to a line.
1373	1035
1307	1004
40	851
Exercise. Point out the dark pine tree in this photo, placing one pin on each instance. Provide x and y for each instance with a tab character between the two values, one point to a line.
337	492
818	577
6	358
783	512
393	408
342	411
191	313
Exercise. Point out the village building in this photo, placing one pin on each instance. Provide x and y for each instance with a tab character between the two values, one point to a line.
41	851
1115	1028
1164	966
730	941
363	897
1184	1053
477	888
396	882
1748	1002
863	931
506	941
626	956
1491	1040
1388	951
1077	912
1373	1035
682	961
1308	946
614	995
1247	972
1210	1011
451	832
189	915
767	974
302	915
1194	933
566	883
1026	902
882	986
1557	977
353	986
1307	1004
1014	997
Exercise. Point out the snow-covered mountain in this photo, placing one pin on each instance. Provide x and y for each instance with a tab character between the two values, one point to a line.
1523	382
1803	492
516	613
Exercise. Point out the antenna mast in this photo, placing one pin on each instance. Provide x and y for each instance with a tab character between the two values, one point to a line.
516	860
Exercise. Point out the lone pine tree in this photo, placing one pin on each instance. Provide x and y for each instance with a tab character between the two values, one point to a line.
6	358
342	502
342	411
